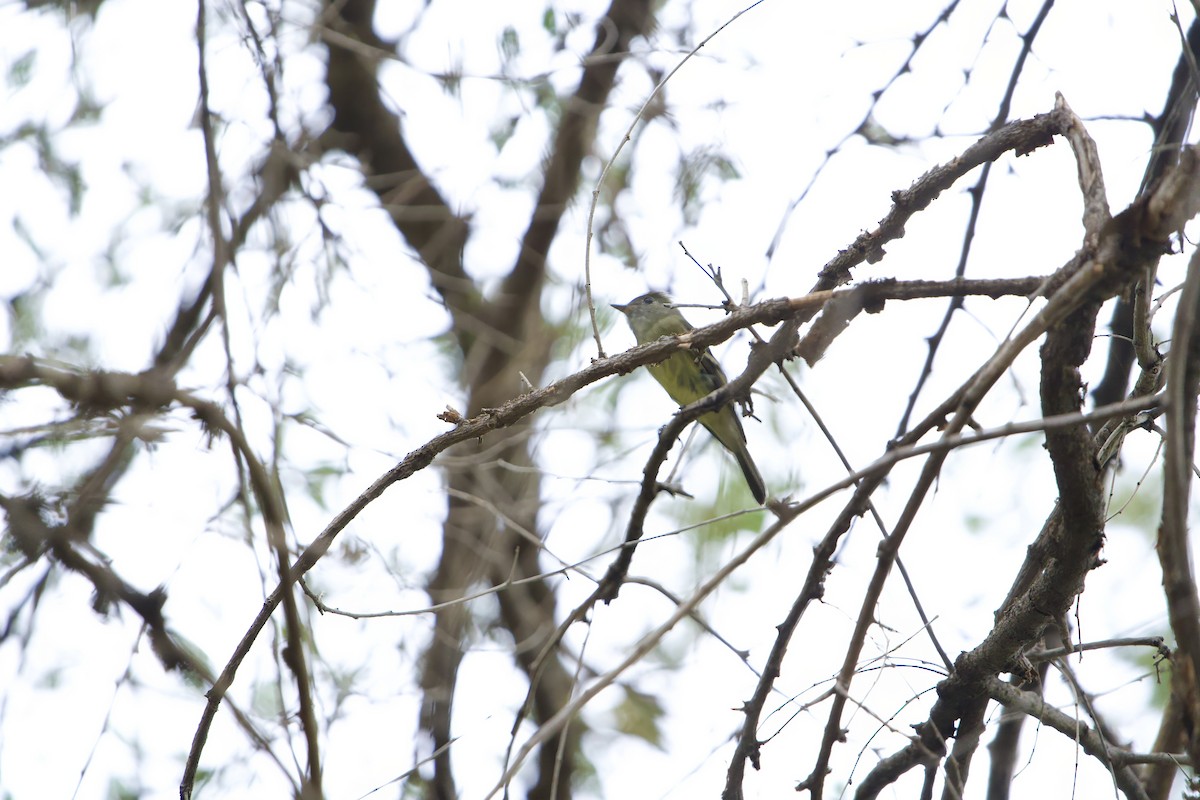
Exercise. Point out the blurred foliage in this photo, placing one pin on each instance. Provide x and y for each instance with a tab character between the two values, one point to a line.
638	714
694	172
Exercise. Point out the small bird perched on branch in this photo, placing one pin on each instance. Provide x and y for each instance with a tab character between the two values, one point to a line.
688	376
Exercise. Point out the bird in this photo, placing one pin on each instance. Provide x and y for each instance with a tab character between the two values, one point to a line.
689	375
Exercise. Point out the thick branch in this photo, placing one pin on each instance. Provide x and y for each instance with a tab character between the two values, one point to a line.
1174	553
1126	245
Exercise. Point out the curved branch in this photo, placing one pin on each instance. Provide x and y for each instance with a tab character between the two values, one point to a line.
1129	242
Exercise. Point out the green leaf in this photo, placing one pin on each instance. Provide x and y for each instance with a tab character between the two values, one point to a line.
510	43
638	715
21	71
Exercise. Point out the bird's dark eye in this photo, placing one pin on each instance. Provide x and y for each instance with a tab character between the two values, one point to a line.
647	300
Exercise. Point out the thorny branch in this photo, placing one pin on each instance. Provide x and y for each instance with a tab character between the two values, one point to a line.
1114	253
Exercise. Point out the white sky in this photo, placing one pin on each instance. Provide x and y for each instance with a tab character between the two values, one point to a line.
792	80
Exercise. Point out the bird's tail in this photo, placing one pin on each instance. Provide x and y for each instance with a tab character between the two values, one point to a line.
753	479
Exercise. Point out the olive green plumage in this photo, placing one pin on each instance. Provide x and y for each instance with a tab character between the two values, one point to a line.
688	376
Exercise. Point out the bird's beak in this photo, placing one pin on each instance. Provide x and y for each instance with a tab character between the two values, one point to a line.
624	309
